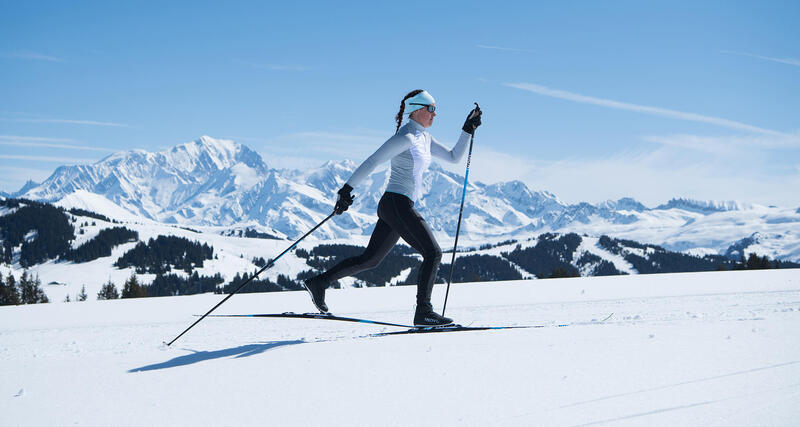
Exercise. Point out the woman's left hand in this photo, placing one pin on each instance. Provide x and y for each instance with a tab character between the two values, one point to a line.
473	120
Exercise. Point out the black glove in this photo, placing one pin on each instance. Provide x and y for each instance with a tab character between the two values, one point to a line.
473	120
345	200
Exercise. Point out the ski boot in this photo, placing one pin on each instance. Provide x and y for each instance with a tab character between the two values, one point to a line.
316	288
426	317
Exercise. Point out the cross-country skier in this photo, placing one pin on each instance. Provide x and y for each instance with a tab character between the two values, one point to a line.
410	151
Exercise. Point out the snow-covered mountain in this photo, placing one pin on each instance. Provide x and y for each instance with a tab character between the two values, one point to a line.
174	186
211	182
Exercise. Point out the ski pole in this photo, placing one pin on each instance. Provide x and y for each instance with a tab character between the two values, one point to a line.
458	226
269	264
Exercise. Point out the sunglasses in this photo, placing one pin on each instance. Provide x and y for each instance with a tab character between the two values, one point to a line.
430	108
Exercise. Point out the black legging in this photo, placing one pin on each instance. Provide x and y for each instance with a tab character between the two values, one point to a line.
396	218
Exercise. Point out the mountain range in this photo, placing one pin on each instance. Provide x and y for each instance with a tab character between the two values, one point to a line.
214	182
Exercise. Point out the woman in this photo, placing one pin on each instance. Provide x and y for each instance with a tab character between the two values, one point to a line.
410	151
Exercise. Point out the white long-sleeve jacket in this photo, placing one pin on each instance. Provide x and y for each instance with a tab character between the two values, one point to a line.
410	150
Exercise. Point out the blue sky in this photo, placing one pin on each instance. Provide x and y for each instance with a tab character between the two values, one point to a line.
589	100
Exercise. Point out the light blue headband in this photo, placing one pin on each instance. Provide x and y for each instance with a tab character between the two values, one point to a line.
420	100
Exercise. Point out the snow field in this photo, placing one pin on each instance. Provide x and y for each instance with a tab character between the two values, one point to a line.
689	349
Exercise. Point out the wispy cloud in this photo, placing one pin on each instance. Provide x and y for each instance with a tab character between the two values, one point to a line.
709	145
34	138
790	61
292	152
657	111
284	67
330	136
507	49
58	159
655	175
316	147
727	144
22	143
275	67
26	54
67	121
359	144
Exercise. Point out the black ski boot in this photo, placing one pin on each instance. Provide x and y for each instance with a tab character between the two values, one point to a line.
316	288
425	316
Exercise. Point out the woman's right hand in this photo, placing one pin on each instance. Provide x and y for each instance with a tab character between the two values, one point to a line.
345	199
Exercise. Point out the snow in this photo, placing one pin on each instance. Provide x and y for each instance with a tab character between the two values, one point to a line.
82	199
692	349
591	245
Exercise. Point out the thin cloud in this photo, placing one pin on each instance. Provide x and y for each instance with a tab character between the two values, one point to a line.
724	145
790	61
330	136
285	67
654	176
693	142
322	145
33	56
52	145
34	138
67	121
64	160
507	49
275	67
657	111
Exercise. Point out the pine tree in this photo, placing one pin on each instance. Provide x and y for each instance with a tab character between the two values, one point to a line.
31	290
26	292
82	296
10	293
108	291
754	262
133	289
741	264
66	298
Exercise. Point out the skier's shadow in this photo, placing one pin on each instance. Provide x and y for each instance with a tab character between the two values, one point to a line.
200	356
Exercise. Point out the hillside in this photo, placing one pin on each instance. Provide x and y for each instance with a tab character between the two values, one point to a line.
90	250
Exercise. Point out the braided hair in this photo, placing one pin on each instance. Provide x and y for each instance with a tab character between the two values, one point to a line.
399	116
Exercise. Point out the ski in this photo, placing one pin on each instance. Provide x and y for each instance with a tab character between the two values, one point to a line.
320	316
411	329
456	328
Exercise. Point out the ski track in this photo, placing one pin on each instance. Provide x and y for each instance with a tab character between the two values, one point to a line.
693	349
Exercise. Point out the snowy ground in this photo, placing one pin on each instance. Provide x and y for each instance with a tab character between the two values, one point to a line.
697	349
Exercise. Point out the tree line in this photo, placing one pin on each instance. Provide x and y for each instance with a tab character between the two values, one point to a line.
101	245
162	254
26	290
43	231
